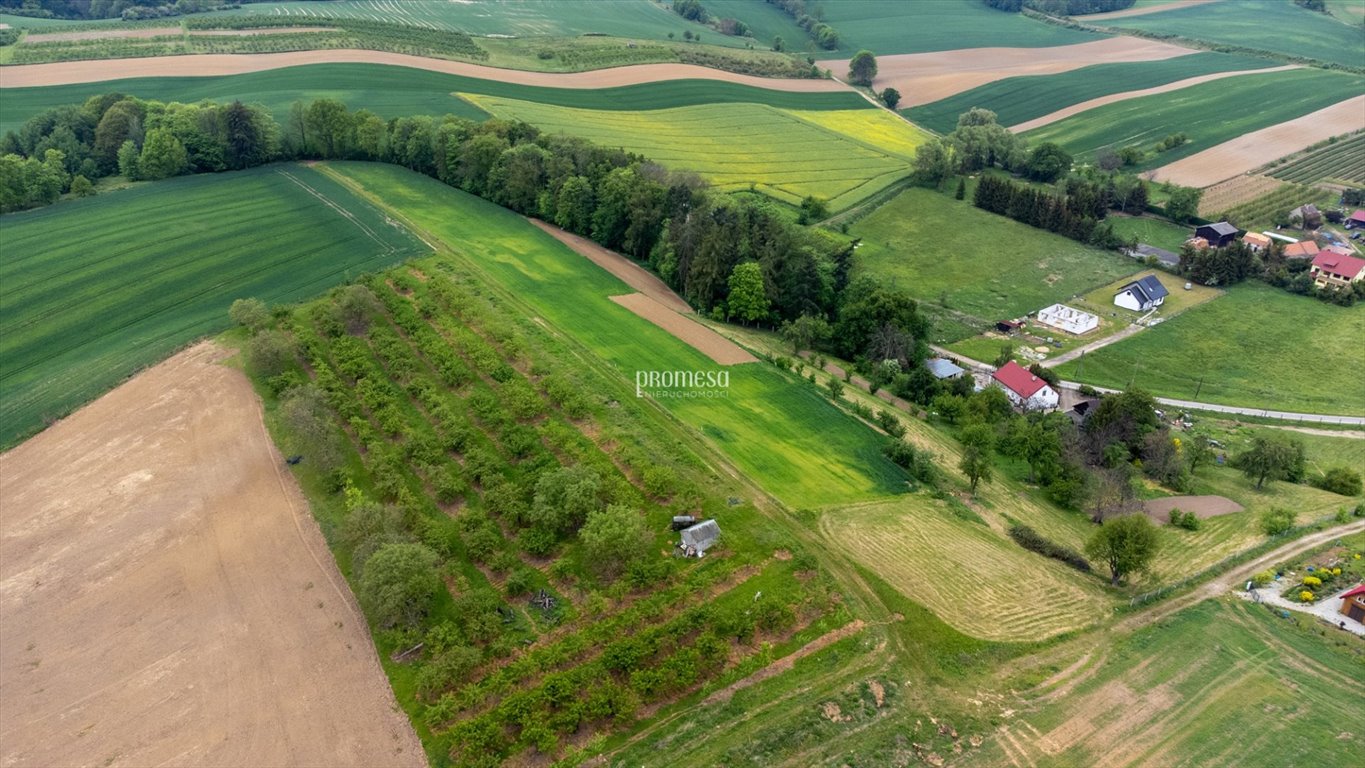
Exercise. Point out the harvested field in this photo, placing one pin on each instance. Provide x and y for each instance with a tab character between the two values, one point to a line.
1234	192
923	78
1144	9
1251	150
1113	97
168	599
622	268
685	329
1203	507
213	64
102	34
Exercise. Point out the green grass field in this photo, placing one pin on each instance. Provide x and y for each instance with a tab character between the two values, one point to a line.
1019	99
1268	25
985	267
788	438
894	26
1343	160
399	91
737	145
93	290
1209	113
1159	233
1222	683
1257	346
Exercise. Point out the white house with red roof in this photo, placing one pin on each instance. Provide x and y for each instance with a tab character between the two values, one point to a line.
1025	389
1336	270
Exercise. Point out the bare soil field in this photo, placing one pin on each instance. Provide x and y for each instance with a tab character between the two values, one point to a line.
687	330
1142	10
1203	507
1252	150
214	64
622	268
927	77
1065	112
102	34
1235	191
167	599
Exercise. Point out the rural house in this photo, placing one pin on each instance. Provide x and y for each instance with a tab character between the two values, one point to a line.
1068	319
1353	604
1337	271
1219	234
1024	389
1356	219
1305	249
1308	215
1256	241
697	539
942	369
1142	295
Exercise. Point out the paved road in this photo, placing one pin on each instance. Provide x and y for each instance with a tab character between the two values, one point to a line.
1309	418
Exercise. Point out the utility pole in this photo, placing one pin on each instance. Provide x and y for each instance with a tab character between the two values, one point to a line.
1198	387
1133	378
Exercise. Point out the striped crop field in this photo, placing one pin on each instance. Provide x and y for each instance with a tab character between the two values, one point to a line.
1340	161
1017	100
738	145
953	566
93	290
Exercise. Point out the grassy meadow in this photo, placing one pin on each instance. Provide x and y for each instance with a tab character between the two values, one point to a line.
735	146
1257	346
790	439
93	290
893	26
1268	25
1020	99
974	266
1209	113
1159	233
391	91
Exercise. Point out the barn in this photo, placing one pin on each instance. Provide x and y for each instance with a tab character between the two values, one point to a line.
1219	234
1142	295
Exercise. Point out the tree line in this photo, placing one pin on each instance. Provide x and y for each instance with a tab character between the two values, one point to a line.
812	21
1237	261
128	10
733	257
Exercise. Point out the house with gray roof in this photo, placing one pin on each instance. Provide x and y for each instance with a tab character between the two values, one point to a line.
1142	295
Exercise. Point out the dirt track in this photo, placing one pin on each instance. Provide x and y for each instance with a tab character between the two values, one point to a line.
167	598
927	77
1142	10
1038	122
1255	149
687	330
207	65
622	268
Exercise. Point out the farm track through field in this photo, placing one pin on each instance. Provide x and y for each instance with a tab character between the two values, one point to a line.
1141	10
1111	98
923	78
207	65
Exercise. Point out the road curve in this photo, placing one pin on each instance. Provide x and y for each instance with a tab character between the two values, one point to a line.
1311	418
215	64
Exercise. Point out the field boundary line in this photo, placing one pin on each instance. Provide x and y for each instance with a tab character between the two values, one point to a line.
351	217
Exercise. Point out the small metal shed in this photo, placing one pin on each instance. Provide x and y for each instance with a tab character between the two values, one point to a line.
699	538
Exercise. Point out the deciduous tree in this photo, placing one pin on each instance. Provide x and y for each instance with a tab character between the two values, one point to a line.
1126	544
862	68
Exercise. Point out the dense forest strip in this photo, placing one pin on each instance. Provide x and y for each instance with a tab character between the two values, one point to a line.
66	72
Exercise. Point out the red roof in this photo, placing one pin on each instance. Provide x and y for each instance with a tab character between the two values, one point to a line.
1360	590
1334	263
1019	381
1301	250
1359	215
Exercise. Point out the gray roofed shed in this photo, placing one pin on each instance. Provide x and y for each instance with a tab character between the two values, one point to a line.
700	537
942	369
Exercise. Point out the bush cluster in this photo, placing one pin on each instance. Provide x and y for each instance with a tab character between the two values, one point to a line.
1031	540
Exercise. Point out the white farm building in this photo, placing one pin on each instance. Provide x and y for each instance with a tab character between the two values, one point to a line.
1142	295
1068	319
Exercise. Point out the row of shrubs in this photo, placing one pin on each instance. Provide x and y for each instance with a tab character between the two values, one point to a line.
1031	540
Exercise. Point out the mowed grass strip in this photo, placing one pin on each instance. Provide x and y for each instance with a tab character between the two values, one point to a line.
92	290
731	145
391	91
963	261
784	435
954	567
896	26
1208	113
1019	99
1269	25
1256	347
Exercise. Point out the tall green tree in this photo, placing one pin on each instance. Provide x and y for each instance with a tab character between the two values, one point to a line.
862	68
163	156
1126	544
1268	458
748	300
1183	204
398	584
613	539
977	442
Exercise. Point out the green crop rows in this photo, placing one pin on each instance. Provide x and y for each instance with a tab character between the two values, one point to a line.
399	91
1020	99
896	26
87	296
1209	113
1343	160
1261	212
